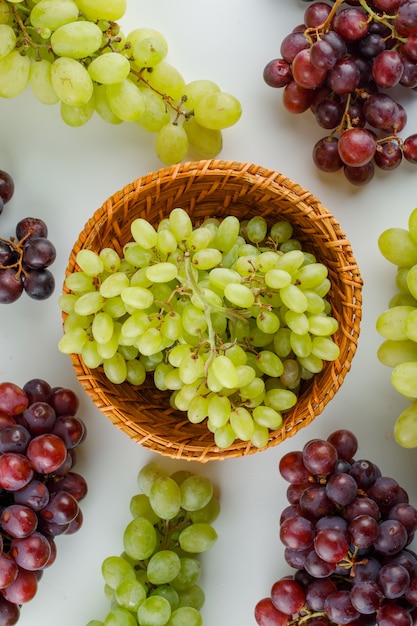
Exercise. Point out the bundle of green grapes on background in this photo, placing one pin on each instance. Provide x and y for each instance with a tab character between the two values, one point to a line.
230	317
73	53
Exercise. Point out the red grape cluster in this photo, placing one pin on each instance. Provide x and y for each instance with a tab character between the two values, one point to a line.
25	261
39	489
346	531
341	65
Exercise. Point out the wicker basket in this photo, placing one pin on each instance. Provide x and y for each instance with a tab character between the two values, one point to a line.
219	188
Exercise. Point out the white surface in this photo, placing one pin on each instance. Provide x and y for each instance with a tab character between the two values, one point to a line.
63	174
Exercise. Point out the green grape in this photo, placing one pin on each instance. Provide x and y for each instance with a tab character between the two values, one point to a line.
217	110
150	51
116	569
77	115
51	14
311	275
405	427
197	538
322	325
79	282
196	492
73	320
293	298
14	74
120	617
89	262
150	342
163	567
140	506
207	142
398	247
404	379
412	224
169	593
268	322
196	89
71	81
109	68
269	363
390	324
130	594
7	40
76	40
95	622
260	436
290	377
108	350
115	368
135	372
73	341
199	239
125	100
253	389
155	114
218	410
392	353
246	374
89	303
256	229
4	12
412	280
277	278
297	322
185	616
280	399
147	475
281	231
192	597
102	105
267	416
301	344
143	233
242	423
110	259
208	514
161	272
111	10
102	327
189	574
165	497
224	436
66	302
311	363
171	143
136	255
325	348
224	371
90	355
240	295
166	79
140	538
137	297
180	224
154	611
315	303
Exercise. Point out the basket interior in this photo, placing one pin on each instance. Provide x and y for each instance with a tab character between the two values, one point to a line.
218	189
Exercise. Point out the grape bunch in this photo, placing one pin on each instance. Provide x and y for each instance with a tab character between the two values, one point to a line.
24	262
230	317
342	65
73	53
397	325
346	531
155	581
6	189
39	489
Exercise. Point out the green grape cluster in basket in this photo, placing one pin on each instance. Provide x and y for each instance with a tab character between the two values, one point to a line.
398	324
230	316
156	579
73	53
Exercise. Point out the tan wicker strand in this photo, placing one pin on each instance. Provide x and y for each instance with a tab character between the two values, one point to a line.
219	188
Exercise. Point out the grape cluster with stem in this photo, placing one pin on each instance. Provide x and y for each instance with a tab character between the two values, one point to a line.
73	53
156	579
24	262
397	325
342	64
40	490
229	316
347	532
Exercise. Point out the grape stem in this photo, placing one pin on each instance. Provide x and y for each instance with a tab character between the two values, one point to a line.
17	247
166	98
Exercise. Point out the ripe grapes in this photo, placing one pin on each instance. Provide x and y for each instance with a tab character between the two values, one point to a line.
346	532
228	317
40	489
156	578
398	324
73	53
341	65
25	261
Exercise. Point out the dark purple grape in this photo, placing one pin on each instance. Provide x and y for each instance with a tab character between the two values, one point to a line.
371	45
14	439
319	457
388	155
38	253
393	580
339	608
7	254
315	503
18	520
35	495
9	612
71	430
365	473
277	73
64	401
326	155
406	514
62	508
341	488
317	592
37	390
364	530
72	483
386	492
366	597
39	284
40	417
6	187
344	76
317	567
288	596
11	285
329	113
345	442
361	505
331	545
392	537
31	227
297	533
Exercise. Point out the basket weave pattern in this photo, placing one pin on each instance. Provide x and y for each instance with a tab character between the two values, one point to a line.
216	189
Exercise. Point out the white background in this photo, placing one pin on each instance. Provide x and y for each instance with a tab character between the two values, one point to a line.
63	174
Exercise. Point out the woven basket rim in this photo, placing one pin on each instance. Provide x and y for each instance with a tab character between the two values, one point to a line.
154	194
